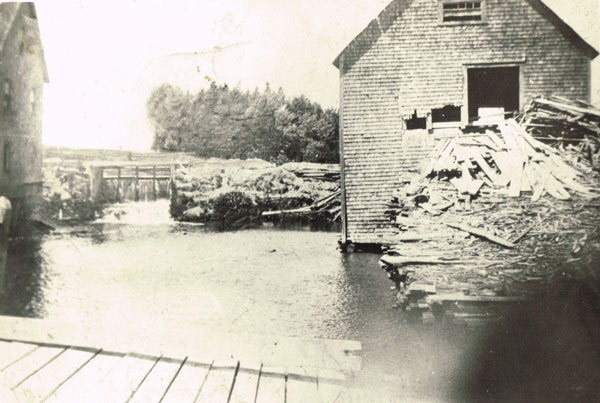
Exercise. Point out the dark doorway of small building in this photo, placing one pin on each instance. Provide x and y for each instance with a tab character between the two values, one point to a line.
493	87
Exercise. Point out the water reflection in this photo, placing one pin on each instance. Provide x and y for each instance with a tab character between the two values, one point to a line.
25	279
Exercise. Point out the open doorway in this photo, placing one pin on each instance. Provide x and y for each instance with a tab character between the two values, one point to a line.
492	87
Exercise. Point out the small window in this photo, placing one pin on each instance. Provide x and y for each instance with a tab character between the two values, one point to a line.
453	11
6	95
448	116
415	122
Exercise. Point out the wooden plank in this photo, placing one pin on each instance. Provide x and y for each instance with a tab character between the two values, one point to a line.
156	383
489	171
555	189
246	383
514	189
271	385
405	260
568	107
19	371
219	382
471	298
187	383
124	379
48	379
84	384
301	389
494	137
13	351
528	178
482	233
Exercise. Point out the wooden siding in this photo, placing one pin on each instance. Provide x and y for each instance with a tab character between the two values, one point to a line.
407	60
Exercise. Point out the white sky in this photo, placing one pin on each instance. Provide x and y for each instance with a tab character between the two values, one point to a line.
104	57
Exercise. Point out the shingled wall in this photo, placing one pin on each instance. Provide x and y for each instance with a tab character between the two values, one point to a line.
406	60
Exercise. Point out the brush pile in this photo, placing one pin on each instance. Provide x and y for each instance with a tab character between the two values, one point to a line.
291	187
490	216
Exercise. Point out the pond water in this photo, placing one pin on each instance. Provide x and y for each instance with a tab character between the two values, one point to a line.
136	266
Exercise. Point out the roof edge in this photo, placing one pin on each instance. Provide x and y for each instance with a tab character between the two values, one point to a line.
380	24
587	48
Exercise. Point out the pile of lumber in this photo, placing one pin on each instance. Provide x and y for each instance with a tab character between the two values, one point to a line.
330	206
492	214
564	123
510	159
314	171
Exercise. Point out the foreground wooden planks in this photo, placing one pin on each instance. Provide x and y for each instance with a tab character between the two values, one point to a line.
45	381
187	383
271	385
246	383
84	383
12	351
55	374
19	371
158	380
219	382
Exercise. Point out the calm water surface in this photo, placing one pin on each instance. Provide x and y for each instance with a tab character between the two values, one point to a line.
287	282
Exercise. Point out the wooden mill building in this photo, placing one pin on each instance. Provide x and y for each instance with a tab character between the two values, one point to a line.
22	77
425	67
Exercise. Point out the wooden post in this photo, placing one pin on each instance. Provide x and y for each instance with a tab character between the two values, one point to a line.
97	178
118	194
136	191
342	165
154	182
171	182
5	213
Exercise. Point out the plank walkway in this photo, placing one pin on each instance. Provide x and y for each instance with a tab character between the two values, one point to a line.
44	371
50	373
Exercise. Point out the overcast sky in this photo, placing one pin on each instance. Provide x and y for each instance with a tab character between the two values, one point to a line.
104	57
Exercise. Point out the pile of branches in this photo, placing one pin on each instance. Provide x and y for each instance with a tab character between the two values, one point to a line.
294	188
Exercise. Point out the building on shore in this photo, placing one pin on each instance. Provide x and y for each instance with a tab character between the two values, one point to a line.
22	76
425	67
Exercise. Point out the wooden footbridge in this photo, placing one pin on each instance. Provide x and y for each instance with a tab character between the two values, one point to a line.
134	180
45	362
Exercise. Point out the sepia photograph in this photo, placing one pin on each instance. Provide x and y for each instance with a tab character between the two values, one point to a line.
272	201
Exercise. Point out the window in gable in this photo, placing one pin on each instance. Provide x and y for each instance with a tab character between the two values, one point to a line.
453	11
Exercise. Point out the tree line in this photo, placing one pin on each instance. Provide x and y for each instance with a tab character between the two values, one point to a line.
227	122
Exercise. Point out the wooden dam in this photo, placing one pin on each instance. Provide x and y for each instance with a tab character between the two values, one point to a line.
134	180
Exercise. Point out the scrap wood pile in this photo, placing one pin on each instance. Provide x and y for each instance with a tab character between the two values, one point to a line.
314	171
297	188
490	217
329	205
565	123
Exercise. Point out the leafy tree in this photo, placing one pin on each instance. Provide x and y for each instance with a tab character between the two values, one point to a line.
230	123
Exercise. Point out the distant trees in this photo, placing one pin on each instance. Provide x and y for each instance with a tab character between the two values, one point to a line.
230	123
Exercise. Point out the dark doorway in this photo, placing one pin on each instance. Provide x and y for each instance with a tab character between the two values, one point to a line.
493	87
